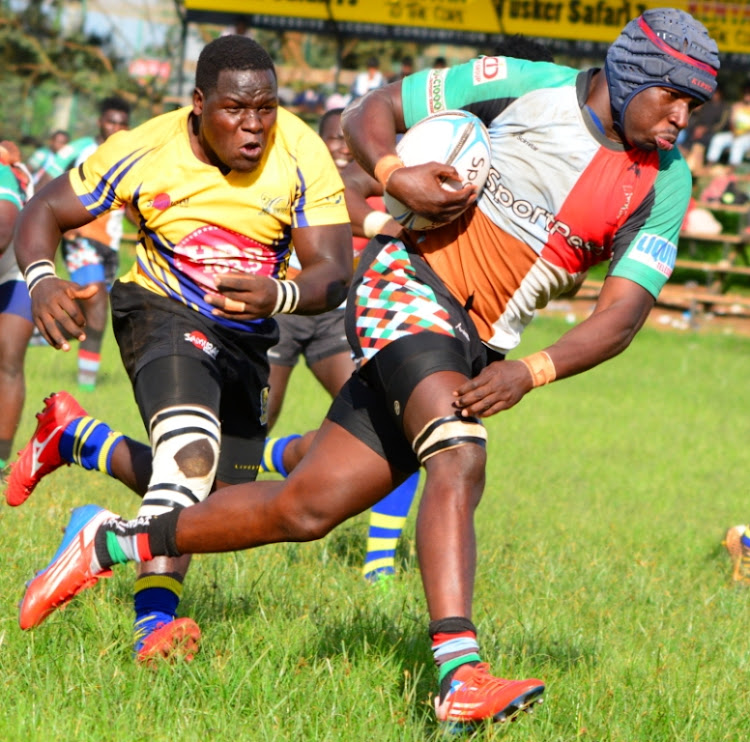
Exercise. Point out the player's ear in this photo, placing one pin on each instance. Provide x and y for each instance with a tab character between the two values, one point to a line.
198	99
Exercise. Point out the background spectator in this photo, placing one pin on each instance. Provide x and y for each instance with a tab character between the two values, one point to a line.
709	119
368	80
406	68
737	139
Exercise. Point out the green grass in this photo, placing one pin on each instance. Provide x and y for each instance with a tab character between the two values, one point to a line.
600	571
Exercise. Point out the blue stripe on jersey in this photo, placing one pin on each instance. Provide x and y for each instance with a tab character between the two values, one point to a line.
165	250
134	202
299	212
104	193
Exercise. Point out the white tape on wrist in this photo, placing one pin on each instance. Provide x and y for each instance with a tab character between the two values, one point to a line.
287	297
374	222
37	272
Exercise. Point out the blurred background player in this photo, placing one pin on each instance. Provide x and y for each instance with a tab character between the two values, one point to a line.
369	79
91	251
711	118
406	68
43	155
321	339
737	543
736	138
16	324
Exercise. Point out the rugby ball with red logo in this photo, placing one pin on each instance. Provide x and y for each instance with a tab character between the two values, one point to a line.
455	138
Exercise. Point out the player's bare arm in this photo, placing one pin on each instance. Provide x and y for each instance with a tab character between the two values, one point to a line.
370	126
358	187
325	254
620	312
54	301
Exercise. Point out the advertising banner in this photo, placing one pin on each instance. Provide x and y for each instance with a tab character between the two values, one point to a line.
474	21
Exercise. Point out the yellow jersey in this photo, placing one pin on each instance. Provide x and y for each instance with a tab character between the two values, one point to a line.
195	222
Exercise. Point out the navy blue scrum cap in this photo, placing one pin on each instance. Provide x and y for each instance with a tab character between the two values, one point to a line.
664	47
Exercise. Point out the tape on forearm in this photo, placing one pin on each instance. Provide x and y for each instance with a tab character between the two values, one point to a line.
287	297
385	167
540	367
37	272
374	222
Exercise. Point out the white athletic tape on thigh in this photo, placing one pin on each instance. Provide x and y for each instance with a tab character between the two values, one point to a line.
443	433
172	429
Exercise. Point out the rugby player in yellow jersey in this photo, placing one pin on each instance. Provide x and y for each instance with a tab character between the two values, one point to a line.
221	189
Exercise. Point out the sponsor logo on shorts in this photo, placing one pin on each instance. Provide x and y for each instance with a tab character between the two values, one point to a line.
436	90
489	69
264	405
655	252
459	328
200	341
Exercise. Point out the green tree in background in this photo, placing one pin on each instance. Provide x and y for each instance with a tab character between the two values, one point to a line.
52	74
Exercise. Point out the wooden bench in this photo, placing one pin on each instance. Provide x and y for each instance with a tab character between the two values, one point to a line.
740	237
717	273
734	256
696	301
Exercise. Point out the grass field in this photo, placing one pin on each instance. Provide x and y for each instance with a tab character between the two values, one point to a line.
600	571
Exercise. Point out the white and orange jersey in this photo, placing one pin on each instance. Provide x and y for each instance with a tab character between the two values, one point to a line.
560	197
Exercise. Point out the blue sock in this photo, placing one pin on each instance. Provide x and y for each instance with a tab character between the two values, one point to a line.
273	454
90	443
155	593
387	519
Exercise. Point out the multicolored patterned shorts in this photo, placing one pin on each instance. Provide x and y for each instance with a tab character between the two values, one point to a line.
392	299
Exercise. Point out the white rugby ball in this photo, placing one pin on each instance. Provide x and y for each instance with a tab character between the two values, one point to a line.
456	138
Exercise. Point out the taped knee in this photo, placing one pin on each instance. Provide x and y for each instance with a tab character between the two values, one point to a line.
185	455
443	433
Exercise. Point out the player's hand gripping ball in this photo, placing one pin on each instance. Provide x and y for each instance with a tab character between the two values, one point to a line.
456	138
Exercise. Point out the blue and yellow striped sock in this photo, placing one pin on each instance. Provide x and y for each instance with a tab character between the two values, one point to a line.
387	519
273	454
157	593
90	443
155	601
